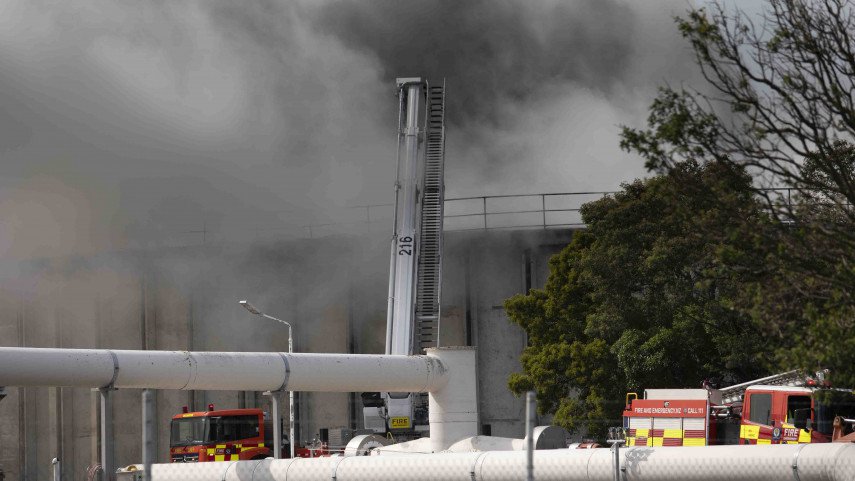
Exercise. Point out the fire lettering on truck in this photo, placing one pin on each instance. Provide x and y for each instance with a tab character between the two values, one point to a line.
677	409
402	422
651	410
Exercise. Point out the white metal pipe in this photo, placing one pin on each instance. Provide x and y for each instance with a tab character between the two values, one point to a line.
238	371
365	373
813	462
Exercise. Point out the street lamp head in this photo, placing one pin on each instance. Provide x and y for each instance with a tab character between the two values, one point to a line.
249	307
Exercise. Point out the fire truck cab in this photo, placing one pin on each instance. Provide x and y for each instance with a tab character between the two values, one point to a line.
222	435
793	415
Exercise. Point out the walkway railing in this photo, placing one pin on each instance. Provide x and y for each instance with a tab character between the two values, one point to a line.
487	212
558	210
517	211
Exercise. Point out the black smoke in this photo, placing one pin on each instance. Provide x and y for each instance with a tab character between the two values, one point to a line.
490	51
122	122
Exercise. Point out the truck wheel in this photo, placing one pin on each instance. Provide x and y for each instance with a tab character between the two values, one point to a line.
258	457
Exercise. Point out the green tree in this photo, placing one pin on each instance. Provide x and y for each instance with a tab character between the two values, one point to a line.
804	297
705	271
642	298
780	101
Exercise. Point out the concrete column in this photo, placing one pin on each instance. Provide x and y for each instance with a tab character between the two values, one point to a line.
95	426
149	432
453	407
55	405
276	398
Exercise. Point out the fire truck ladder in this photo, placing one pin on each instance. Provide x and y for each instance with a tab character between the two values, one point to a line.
430	238
734	393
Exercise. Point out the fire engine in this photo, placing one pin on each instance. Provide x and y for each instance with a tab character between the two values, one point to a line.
221	435
787	408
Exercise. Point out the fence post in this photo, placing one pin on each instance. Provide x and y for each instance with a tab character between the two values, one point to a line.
530	407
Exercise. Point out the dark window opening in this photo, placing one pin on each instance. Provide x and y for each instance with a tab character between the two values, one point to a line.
831	404
233	428
760	409
796	403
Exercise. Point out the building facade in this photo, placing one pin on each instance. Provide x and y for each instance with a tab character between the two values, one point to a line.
333	290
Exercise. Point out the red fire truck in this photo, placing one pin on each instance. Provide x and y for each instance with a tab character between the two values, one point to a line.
787	408
222	435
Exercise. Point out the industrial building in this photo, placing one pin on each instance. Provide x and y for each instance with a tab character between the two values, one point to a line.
333	289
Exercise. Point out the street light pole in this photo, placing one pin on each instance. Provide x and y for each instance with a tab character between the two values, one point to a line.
277	441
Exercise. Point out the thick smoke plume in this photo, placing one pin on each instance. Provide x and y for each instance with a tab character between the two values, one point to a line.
491	52
133	121
536	89
130	126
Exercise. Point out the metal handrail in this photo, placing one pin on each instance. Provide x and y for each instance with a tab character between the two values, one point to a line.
511	212
479	211
547	194
484	212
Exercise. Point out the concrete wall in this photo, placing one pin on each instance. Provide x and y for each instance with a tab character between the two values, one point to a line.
333	290
483	269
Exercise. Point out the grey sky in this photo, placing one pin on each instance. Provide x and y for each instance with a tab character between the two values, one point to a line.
120	118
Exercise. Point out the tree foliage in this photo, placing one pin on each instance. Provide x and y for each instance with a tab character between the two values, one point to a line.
780	101
641	299
710	269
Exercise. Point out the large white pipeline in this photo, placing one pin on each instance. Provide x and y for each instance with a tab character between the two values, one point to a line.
806	462
447	374
240	371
